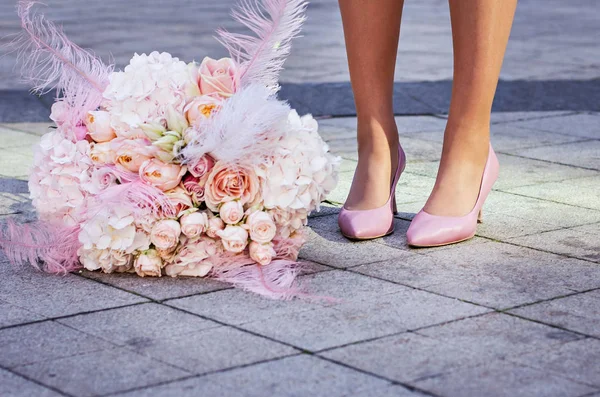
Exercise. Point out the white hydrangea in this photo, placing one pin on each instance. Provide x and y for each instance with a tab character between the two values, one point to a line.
61	169
146	88
302	171
113	228
106	260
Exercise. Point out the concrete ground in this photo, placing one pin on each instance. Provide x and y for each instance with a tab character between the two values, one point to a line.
513	312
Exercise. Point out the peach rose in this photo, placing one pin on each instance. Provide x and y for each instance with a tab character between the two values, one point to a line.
201	107
194	224
261	227
148	264
164	176
180	200
230	182
194	259
98	125
101	153
202	166
232	212
234	238
215	225
130	154
218	77
262	253
165	234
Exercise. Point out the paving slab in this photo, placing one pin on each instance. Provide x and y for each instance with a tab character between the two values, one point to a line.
583	154
138	325
102	372
38	129
364	310
157	288
577	360
332	249
575	242
12	385
500	378
580	312
40	342
581	192
505	117
52	295
11	138
14	315
503	227
14	164
579	125
492	274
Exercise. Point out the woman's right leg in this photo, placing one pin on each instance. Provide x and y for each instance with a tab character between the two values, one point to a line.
372	30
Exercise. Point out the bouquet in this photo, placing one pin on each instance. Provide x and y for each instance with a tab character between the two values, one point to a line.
170	168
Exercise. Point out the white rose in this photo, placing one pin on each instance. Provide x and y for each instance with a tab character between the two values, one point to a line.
194	224
232	212
262	253
261	227
234	238
148	264
214	226
165	234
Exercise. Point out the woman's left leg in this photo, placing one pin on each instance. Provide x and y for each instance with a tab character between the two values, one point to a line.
480	31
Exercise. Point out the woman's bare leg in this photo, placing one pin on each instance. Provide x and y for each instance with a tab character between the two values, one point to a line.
371	30
480	30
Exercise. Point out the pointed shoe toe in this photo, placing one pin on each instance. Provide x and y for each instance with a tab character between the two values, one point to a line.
366	225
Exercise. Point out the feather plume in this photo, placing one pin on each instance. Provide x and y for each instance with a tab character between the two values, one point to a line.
248	126
51	61
47	246
275	23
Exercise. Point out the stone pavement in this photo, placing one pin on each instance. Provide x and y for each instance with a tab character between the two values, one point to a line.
515	311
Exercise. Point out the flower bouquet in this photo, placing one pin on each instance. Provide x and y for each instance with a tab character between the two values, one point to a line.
173	168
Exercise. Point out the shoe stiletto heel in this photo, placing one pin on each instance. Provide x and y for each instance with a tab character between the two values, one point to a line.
428	230
378	222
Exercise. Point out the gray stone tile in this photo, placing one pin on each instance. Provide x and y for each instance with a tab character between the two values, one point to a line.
366	308
582	154
526	208
501	378
333	249
407	125
509	138
38	129
503	227
52	295
15	189
579	312
102	372
14	164
293	376
492	274
12	385
138	325
157	288
44	341
571	242
11	139
391	391
577	360
505	117
14	315
582	192
499	336
579	125
212	349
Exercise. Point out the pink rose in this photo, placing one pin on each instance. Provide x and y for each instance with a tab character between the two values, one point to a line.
195	187
215	225
230	182
98	126
261	227
59	112
194	259
165	234
232	212
101	179
202	166
148	264
201	107
101	153
262	253
218	77
234	238
164	176
180	200
194	224
130	154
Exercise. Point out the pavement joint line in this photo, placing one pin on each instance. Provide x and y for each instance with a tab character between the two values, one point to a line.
574	293
554	162
540	116
548	200
555	373
546	251
8	126
37	382
552	326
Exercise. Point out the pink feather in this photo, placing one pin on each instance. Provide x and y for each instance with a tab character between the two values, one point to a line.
51	61
47	246
275	23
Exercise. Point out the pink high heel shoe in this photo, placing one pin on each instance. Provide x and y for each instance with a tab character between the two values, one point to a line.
378	222
428	230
